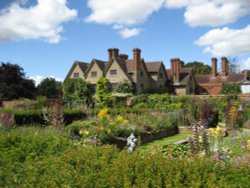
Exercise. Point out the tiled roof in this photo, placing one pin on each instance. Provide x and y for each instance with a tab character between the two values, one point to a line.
184	75
153	66
101	64
233	77
129	65
122	64
83	66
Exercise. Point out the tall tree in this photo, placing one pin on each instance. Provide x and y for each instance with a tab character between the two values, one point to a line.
13	83
234	66
199	67
49	87
76	92
103	92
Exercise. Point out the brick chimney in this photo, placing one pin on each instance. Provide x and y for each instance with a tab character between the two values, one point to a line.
175	70
123	56
109	54
115	52
224	65
137	58
214	67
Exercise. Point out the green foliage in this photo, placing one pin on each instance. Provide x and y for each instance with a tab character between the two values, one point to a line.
199	67
22	144
106	166
228	88
103	95
76	92
124	87
49	87
13	84
35	117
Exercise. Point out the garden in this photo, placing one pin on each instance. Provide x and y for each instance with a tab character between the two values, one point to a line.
61	144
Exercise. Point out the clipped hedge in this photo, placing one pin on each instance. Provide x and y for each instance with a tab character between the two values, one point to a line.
35	117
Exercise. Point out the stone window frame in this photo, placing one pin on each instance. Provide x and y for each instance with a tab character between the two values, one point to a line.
76	75
113	72
93	74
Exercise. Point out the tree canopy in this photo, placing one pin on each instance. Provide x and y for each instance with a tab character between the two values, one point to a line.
49	87
230	88
199	67
103	92
14	84
76	92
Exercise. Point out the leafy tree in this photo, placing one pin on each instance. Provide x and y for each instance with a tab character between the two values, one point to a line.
76	92
14	84
228	88
234	66
49	87
199	67
103	95
124	87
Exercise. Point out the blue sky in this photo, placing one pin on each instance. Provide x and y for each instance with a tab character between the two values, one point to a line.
45	37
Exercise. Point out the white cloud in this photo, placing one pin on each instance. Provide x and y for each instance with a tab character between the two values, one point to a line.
225	41
246	63
211	12
122	14
127	33
42	21
38	79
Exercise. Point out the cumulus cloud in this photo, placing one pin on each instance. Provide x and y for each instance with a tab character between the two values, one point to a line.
127	33
38	79
42	21
211	12
226	41
122	14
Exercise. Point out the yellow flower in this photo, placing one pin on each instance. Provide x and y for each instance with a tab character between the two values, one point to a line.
119	118
200	139
125	121
86	132
81	132
103	113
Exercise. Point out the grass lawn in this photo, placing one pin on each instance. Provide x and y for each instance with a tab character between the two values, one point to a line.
162	142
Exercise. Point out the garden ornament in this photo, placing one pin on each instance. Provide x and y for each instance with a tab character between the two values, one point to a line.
131	142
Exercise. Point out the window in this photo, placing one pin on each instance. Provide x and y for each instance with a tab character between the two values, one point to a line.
76	75
113	72
93	74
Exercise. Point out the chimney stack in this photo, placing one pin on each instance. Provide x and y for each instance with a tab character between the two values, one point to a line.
123	56
109	54
113	53
175	70
214	67
224	65
137	58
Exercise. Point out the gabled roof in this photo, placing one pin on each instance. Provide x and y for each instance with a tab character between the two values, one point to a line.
123	65
101	64
153	67
184	75
129	65
83	66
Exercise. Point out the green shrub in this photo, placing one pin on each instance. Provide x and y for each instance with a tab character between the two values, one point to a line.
73	115
21	144
108	167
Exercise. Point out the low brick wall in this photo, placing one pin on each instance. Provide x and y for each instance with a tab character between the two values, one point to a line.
121	142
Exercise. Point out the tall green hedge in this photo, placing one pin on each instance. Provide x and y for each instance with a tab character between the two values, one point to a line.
35	117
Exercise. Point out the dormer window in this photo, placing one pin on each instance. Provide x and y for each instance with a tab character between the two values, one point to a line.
93	74
113	72
76	75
